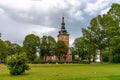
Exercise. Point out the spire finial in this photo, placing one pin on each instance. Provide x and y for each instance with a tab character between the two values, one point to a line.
63	23
63	30
62	19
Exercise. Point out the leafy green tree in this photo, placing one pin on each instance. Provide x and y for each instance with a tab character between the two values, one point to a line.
60	49
8	45
103	28
93	37
115	49
43	46
100	37
91	51
51	45
110	24
109	27
47	46
2	51
74	52
105	56
89	41
115	12
17	64
80	47
84	49
5	49
114	30
16	48
31	45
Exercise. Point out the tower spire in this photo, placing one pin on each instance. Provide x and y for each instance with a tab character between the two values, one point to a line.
62	19
63	30
63	23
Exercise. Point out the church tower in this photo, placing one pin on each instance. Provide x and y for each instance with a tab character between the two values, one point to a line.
64	36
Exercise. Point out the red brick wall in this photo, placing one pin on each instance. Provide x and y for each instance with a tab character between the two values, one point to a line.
65	38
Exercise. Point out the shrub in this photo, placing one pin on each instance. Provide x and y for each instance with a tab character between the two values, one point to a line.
17	64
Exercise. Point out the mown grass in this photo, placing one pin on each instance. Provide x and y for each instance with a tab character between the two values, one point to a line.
65	72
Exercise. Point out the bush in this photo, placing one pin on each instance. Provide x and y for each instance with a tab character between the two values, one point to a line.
17	64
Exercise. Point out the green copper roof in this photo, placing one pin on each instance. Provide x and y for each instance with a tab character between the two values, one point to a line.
63	30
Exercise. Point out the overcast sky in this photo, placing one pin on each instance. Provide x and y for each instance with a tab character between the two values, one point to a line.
19	18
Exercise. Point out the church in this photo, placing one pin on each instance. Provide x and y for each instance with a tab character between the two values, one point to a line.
64	36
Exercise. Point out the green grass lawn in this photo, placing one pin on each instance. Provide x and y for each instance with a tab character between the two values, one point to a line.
66	72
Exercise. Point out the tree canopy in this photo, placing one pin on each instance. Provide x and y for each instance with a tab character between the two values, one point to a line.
61	49
103	31
31	44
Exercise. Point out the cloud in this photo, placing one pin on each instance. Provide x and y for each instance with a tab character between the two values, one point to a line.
43	17
15	31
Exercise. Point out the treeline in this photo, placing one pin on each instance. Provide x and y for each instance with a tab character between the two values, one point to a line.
36	48
101	36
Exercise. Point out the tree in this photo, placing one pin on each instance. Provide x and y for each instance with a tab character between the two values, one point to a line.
95	34
103	28
115	49
110	24
17	64
74	53
5	49
114	31
8	45
31	45
51	45
89	41
84	49
79	46
110	27
61	49
114	12
16	48
2	51
47	46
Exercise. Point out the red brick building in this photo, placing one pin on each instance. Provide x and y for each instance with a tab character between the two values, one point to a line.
64	36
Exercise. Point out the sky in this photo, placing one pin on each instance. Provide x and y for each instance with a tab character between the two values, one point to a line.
19	18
